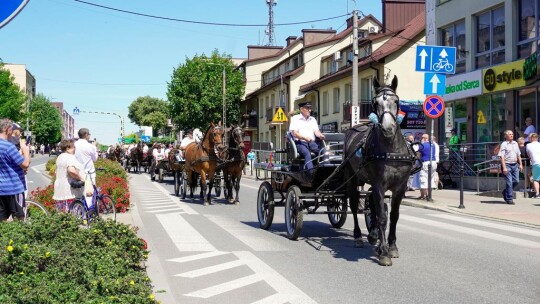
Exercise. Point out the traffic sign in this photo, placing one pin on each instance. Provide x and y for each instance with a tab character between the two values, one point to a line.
9	9
145	138
76	111
434	84
434	106
481	117
27	133
280	116
440	59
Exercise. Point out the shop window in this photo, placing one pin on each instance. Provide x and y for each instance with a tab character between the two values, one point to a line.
490	118
490	38
335	104
527	107
528	25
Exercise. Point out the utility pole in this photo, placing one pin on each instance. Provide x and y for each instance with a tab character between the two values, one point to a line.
224	98
355	112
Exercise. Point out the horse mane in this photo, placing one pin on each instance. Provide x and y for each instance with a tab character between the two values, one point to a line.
205	143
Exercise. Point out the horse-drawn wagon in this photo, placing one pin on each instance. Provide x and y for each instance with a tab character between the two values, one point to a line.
373	153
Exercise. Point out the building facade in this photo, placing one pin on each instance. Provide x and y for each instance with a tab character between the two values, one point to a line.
496	86
23	78
68	123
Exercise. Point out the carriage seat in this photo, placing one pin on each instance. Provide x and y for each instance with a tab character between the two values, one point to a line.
296	160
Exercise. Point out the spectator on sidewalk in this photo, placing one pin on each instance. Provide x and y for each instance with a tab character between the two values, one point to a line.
12	179
437	160
414	180
525	159
86	154
427	154
533	151
529	129
454	141
70	177
510	164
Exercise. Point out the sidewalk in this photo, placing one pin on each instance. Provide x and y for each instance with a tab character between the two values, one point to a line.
526	211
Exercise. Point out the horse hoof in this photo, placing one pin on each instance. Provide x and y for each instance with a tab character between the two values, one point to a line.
230	200
385	261
205	204
358	243
393	253
237	202
372	240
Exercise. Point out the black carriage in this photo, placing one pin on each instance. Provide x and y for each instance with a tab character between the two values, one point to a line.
181	183
306	192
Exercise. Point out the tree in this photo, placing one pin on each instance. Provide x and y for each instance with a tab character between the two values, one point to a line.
196	91
45	121
149	111
11	97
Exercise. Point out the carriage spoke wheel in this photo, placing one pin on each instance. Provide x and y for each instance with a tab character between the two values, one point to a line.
294	218
337	209
217	185
177	182
265	205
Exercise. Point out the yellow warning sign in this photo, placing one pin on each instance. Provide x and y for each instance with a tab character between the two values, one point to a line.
280	116
481	119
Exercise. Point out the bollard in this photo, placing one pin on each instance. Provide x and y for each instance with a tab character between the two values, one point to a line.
461	171
251	165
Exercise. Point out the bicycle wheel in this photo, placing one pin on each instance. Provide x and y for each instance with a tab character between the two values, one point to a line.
34	209
105	208
78	210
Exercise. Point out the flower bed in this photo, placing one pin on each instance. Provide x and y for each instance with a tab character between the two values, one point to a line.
54	260
112	181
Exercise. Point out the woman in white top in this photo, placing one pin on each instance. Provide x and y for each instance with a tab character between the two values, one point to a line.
68	172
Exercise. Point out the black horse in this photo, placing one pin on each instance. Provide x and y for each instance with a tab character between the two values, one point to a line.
385	162
235	162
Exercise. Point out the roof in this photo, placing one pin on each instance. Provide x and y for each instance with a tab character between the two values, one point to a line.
399	39
275	81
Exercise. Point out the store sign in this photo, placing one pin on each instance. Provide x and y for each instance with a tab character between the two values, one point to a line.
414	115
330	127
503	77
531	72
463	85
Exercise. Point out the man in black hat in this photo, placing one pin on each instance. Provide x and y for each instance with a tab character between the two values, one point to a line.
305	130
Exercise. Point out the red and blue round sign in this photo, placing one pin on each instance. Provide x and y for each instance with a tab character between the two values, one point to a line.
434	106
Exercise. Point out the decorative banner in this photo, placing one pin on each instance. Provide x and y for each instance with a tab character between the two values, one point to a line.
9	9
414	115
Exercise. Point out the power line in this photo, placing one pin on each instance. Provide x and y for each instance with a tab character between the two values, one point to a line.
104	84
203	22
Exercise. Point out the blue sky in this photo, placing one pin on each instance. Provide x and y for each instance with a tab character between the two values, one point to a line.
102	60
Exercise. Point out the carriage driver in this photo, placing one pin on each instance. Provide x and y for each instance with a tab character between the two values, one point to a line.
186	141
305	130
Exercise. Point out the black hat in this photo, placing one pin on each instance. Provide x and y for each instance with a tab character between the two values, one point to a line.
189	131
305	104
454	130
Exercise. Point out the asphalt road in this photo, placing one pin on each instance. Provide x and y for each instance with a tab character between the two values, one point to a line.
218	254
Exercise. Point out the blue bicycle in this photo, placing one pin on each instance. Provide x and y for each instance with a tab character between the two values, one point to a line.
102	206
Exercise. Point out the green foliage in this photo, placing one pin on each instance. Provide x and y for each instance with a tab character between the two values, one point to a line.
112	169
50	166
162	140
149	111
12	99
46	122
195	92
56	260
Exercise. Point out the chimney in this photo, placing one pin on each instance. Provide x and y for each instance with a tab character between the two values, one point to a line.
290	40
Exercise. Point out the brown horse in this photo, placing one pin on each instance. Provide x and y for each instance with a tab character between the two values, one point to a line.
234	165
202	158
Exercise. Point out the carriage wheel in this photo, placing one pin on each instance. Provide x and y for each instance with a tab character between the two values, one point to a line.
294	218
183	189
138	167
265	205
217	185
177	182
337	209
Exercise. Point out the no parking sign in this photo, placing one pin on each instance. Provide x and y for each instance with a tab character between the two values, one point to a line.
434	106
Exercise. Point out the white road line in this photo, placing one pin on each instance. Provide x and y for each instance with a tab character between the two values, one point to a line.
183	235
156	202
211	269
182	205
35	170
473	232
164	205
199	256
165	210
225	287
255	238
509	228
274	299
274	279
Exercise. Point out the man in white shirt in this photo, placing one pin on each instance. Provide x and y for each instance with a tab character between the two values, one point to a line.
305	130
529	129
510	164
186	141
533	151
86	154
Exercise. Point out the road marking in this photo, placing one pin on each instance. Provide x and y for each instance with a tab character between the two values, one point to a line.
160	205
182	234
255	238
211	269
199	256
274	299
474	232
166	210
489	224
225	287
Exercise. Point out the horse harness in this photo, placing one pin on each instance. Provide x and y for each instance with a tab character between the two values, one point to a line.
209	157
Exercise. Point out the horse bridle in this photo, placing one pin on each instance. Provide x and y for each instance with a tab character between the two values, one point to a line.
241	143
385	95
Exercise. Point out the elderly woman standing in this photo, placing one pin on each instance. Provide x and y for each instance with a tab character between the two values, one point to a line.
69	173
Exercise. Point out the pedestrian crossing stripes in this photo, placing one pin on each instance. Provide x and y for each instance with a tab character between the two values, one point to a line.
256	239
285	291
184	236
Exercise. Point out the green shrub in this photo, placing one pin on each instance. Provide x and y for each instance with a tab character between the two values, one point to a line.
54	260
51	166
112	169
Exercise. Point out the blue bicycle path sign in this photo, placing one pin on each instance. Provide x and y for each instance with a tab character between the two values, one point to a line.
436	59
9	10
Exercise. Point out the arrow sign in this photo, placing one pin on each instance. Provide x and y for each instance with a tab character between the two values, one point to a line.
9	9
423	54
434	84
433	58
